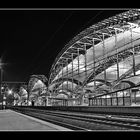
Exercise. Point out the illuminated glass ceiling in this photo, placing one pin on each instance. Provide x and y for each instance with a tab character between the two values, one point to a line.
100	42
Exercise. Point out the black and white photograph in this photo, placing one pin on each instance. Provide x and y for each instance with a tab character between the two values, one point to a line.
69	69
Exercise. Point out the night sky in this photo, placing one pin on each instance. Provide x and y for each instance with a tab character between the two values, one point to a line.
30	40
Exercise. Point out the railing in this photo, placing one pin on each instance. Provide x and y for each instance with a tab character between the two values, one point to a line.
66	102
124	97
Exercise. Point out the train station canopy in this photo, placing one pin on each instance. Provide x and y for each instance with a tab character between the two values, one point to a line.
100	59
37	86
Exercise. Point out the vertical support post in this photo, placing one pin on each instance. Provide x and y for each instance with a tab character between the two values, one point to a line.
101	101
85	60
62	77
78	53
106	100
94	66
85	65
67	74
47	99
117	98
72	73
55	84
123	99
55	89
129	96
78	63
111	99
116	47
89	102
59	76
96	101
135	96
63	103
104	59
133	51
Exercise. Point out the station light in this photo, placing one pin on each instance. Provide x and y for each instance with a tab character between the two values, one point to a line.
10	91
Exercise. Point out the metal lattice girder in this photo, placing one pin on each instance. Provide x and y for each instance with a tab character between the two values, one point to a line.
43	78
102	81
60	90
72	50
125	81
61	80
95	35
86	41
32	81
66	58
111	60
107	32
64	61
102	28
96	27
137	67
78	45
35	78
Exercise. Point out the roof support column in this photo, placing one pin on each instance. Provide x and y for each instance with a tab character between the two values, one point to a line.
62	77
78	66
85	60
104	59
72	73
56	88
133	51
117	61
94	65
67	74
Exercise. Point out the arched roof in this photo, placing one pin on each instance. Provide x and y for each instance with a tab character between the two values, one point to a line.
92	40
34	78
37	85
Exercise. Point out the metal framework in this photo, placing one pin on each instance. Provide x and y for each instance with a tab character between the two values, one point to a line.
34	93
99	57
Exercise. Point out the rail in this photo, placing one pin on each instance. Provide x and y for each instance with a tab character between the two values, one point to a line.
83	121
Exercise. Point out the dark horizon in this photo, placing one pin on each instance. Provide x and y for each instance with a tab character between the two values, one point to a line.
32	39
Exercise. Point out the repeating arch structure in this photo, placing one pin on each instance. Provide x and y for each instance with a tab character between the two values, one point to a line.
99	57
37	86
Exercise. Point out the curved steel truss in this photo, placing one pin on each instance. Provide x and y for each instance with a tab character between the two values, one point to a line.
33	80
101	55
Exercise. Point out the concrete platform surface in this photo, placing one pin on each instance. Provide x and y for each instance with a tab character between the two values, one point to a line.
14	121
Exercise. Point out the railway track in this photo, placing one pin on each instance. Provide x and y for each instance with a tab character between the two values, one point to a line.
84	122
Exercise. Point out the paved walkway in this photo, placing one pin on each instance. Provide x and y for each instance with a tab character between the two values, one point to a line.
14	121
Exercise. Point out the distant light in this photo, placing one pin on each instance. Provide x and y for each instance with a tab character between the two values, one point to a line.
9	91
0	63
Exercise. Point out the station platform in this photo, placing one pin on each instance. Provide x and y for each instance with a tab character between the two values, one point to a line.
14	121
